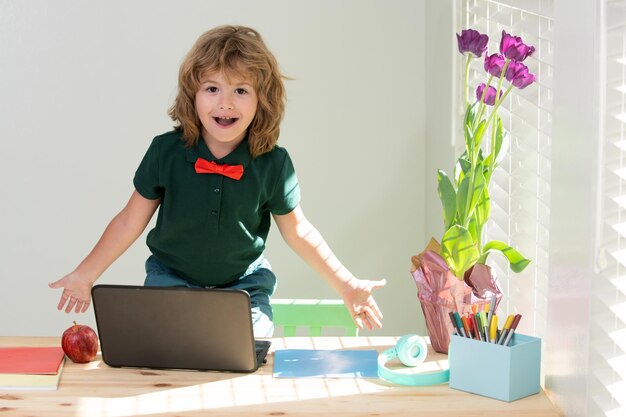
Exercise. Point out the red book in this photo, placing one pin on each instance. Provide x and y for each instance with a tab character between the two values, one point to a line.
30	360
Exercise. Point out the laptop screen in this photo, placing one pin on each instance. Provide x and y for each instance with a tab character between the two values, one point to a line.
175	328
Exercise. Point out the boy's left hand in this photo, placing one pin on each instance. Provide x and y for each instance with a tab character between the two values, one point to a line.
361	304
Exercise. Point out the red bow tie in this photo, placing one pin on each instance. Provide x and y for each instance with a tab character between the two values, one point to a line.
231	171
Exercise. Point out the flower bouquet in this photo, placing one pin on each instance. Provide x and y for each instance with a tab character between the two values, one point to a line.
453	275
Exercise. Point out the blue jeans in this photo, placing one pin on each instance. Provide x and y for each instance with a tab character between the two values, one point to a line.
258	281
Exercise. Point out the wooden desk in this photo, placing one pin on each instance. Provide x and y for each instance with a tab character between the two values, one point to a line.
96	390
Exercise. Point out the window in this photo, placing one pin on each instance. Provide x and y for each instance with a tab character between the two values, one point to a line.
607	364
520	188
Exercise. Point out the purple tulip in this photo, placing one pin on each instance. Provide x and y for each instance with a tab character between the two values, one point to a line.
490	97
494	64
517	73
472	41
524	80
512	47
514	68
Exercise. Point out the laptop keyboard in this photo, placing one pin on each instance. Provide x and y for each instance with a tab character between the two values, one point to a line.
262	346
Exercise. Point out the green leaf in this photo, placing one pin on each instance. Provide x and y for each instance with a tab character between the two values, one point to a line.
466	199
469	139
478	134
470	114
458	250
462	167
483	208
502	141
461	199
480	216
517	262
481	156
474	230
447	194
501	147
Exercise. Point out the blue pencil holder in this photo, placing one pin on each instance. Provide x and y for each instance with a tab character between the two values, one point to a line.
506	373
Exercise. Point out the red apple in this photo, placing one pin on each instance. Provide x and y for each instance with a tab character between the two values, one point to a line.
80	343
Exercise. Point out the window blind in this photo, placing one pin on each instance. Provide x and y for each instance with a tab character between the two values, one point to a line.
607	364
520	186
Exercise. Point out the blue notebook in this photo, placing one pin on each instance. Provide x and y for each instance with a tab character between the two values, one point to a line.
301	363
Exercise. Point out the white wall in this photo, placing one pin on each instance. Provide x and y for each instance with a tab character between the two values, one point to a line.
85	85
441	127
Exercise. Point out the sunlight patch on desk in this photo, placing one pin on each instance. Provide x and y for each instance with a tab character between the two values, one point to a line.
90	366
235	392
332	342
424	367
618	412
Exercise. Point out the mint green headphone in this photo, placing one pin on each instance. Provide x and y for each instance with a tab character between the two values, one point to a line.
411	350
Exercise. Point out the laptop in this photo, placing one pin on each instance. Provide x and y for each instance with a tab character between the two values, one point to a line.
202	329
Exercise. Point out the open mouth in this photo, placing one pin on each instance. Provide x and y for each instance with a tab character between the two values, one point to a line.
225	121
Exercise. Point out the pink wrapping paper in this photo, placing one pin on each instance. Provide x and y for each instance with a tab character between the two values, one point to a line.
440	292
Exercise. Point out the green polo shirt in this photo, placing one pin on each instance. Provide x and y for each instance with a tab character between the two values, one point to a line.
210	228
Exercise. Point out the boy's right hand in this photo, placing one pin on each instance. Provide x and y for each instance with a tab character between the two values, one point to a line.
76	293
